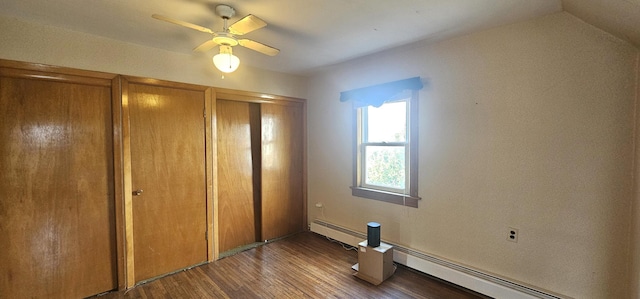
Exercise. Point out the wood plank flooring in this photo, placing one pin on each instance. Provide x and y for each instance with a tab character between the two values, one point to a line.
306	265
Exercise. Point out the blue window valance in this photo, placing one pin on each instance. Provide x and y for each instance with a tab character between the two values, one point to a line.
376	95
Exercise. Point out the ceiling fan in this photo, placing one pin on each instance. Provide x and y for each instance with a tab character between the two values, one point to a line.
227	38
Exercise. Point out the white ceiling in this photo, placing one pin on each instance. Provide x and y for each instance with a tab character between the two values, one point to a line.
310	33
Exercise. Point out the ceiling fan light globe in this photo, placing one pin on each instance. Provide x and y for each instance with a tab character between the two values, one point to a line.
226	62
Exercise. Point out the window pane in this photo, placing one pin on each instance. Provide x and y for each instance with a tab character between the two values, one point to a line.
387	123
384	166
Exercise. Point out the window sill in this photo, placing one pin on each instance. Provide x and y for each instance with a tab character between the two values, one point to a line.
390	197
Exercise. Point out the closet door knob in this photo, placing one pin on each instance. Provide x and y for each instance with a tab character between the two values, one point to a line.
138	192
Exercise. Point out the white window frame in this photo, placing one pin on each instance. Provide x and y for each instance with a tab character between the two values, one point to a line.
407	196
363	144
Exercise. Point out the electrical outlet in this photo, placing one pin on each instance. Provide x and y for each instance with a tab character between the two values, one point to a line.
512	235
318	205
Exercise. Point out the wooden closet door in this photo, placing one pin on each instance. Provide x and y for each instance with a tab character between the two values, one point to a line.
168	165
236	195
57	223
282	170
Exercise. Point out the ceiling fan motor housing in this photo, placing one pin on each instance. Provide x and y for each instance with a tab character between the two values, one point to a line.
224	38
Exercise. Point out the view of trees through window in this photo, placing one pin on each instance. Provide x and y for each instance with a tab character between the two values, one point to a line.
385	167
384	145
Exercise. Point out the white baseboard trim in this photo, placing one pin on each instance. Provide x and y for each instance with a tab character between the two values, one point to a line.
469	278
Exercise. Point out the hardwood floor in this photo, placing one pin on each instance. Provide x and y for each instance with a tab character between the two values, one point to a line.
306	265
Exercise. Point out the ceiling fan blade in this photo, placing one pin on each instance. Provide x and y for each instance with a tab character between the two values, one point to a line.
246	25
206	46
182	23
260	47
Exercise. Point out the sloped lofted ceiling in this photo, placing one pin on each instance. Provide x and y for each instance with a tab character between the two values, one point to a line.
620	18
313	33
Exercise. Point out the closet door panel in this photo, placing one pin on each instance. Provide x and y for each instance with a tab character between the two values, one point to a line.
282	166
57	220
236	205
168	166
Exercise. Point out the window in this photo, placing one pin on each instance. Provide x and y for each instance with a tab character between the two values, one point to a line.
386	152
383	142
385	147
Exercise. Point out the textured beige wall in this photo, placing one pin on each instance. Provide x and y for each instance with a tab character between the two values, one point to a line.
528	125
30	42
635	232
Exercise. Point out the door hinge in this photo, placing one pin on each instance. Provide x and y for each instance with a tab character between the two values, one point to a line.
204	113
206	235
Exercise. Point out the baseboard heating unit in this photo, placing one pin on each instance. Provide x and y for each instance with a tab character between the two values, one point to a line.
464	276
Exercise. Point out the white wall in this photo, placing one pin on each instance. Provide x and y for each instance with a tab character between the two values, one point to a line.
31	42
529	125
